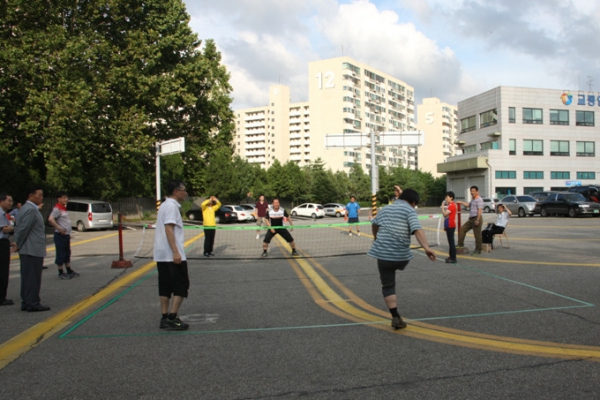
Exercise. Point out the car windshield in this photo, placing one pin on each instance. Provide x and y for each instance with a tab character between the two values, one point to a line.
319	207
239	208
101	208
574	197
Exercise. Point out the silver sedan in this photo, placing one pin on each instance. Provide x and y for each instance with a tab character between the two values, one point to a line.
519	205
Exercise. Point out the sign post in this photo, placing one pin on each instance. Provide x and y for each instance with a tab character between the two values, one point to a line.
165	148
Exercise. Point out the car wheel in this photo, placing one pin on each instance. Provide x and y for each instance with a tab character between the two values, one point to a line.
218	219
313	216
543	212
521	213
192	216
486	209
572	212
337	215
80	226
294	214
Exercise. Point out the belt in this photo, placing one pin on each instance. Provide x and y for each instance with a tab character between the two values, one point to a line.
5	239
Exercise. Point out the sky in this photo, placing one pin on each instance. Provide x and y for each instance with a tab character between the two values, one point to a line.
450	49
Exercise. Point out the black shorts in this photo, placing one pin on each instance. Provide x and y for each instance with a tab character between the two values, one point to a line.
353	220
173	279
282	231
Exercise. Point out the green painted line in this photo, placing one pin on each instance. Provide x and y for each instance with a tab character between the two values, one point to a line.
123	293
280	328
500	313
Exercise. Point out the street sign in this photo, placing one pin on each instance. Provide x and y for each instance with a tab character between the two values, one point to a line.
354	140
172	146
572	183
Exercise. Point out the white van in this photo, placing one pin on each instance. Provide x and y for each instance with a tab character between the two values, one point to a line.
90	214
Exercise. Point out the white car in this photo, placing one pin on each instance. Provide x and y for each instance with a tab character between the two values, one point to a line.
243	215
311	210
250	209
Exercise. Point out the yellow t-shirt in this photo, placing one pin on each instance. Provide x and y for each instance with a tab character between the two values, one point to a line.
208	212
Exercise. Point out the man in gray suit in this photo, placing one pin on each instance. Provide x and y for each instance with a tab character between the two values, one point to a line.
30	239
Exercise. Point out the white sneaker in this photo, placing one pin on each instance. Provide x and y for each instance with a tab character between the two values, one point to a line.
257	235
350	234
357	233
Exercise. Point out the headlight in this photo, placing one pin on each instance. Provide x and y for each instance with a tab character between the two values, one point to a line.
531	206
584	205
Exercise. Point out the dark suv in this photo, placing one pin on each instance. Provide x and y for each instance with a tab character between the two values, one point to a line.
566	203
590	192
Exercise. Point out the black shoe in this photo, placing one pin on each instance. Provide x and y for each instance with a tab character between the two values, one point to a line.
264	254
44	267
37	308
176	325
211	254
64	276
7	302
72	274
23	307
397	323
163	323
206	255
451	261
295	253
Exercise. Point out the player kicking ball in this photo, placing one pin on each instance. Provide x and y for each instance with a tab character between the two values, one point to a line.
275	217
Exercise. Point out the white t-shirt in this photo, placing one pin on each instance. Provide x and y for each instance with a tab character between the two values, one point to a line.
168	213
502	219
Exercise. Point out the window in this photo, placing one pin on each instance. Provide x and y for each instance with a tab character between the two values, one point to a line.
532	189
512	147
532	116
502	191
533	147
533	174
467	124
586	149
506	175
586	175
489	145
559	147
512	117
560	175
584	118
488	118
470	149
559	117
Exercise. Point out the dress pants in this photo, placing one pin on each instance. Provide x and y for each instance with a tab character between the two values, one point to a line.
4	266
31	280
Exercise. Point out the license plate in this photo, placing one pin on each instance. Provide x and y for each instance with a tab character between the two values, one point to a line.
102	220
596	211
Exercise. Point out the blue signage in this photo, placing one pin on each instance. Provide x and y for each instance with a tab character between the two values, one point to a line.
582	99
572	183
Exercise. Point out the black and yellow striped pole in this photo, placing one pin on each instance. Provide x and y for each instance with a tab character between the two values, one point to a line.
374	177
373	205
158	203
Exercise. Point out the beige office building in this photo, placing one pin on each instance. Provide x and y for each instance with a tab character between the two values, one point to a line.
345	96
439	122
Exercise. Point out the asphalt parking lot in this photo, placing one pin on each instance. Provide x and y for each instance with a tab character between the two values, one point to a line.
515	323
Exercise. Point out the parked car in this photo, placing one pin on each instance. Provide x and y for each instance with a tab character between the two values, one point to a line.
567	203
90	214
250	209
309	210
489	205
223	215
334	209
241	213
590	192
520	205
539	196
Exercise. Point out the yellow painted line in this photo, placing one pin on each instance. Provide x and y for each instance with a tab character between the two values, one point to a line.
327	297
52	248
25	341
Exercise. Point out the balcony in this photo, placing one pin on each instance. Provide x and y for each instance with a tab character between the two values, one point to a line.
295	128
295	150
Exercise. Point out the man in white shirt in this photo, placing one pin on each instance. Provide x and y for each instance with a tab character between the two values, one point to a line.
169	255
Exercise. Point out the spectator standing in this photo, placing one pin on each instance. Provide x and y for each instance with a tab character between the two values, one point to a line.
30	241
397	193
474	222
169	255
6	229
209	208
59	219
496	229
449	211
392	229
15	212
261	212
352	210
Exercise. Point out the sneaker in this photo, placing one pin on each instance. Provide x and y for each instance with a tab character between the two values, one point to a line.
451	261
72	274
163	323
350	234
176	324
460	247
211	254
295	253
357	233
264	254
206	255
64	276
397	323
257	236
476	252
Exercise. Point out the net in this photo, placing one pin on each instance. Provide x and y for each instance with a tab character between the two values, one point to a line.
312	238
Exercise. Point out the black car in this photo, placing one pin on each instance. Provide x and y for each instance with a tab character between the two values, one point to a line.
590	192
566	203
223	215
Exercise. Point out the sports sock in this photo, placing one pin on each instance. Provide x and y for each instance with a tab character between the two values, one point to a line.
164	316
69	270
171	316
394	312
60	271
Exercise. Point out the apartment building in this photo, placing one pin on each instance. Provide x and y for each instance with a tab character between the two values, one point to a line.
439	122
345	96
520	140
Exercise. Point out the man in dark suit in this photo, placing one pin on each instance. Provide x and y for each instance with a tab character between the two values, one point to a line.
30	241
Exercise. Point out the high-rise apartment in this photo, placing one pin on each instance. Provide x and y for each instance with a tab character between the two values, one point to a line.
439	122
345	96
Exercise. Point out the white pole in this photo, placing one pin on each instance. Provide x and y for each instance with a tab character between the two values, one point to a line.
158	198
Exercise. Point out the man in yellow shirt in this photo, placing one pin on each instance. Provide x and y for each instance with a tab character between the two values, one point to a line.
209	208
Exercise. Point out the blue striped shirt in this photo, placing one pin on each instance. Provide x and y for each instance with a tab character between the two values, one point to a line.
396	223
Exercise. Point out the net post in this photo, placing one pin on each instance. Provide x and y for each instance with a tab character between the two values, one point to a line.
373	205
121	263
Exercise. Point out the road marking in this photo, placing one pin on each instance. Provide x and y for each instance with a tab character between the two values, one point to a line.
77	243
327	298
28	339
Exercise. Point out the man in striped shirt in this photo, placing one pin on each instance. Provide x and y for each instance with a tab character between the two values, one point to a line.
392	229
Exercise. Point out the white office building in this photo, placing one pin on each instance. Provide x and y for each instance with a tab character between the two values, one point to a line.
520	140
